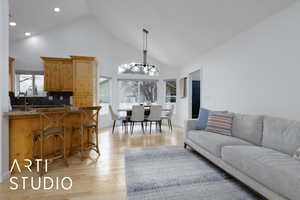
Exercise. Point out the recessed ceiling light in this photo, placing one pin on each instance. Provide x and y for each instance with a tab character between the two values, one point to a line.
12	23
56	9
27	34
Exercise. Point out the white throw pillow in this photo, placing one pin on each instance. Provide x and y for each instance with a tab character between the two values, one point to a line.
297	154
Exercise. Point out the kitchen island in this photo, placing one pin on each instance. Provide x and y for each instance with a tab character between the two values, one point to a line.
23	123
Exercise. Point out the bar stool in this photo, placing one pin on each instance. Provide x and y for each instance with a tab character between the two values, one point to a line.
51	126
89	117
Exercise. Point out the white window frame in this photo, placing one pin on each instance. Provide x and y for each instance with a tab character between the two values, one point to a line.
31	73
165	91
139	80
110	93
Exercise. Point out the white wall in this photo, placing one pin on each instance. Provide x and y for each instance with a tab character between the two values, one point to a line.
4	171
83	37
257	72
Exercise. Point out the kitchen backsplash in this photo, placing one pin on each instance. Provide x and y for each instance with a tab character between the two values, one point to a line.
52	98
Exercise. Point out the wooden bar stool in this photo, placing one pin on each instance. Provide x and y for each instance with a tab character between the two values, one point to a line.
51	126
89	120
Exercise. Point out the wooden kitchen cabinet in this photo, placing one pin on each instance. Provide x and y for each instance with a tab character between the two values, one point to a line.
11	80
66	75
52	76
58	74
84	80
81	101
76	74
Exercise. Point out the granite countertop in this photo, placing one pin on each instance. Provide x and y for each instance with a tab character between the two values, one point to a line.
35	106
32	112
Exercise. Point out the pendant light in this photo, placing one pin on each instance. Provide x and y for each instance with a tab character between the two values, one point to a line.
137	67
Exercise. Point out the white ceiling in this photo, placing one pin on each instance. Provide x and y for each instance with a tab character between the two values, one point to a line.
180	30
36	16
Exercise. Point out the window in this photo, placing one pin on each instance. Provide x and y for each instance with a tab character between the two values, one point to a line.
170	91
125	69
104	93
29	83
133	92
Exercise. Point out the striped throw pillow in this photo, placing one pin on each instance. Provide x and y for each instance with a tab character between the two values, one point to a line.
219	122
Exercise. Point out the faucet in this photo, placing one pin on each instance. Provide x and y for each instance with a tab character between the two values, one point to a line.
25	99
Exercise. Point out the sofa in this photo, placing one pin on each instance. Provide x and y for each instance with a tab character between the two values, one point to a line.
259	153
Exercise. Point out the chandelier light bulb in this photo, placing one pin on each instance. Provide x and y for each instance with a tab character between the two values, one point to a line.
12	23
135	68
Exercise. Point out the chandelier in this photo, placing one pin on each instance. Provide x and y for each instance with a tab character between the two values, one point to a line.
138	67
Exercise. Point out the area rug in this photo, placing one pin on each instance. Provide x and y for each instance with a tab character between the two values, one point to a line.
175	173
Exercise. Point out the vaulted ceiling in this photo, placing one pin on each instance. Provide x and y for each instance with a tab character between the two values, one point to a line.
180	30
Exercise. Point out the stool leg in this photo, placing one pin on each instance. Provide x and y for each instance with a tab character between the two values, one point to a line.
65	150
54	145
97	141
81	144
41	167
71	143
33	147
88	137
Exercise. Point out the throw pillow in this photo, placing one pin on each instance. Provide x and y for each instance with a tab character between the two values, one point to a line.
219	122
297	154
202	119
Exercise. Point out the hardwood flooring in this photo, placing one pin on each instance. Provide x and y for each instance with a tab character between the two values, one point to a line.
101	178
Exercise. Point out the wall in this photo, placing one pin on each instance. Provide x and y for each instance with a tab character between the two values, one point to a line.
256	72
4	171
87	38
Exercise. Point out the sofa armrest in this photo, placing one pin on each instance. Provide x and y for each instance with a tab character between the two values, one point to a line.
189	124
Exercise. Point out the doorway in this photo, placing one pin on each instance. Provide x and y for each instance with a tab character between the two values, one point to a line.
194	94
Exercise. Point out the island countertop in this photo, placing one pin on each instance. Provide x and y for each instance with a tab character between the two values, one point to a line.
33	112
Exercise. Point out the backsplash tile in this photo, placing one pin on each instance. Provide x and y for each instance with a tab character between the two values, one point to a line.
52	98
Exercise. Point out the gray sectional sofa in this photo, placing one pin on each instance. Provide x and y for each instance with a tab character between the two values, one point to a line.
259	153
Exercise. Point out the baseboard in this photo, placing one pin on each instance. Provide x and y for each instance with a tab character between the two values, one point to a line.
4	176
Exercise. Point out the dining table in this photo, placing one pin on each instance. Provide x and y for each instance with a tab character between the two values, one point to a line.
128	111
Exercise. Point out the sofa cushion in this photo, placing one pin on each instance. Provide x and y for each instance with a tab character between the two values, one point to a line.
277	171
213	142
281	134
248	127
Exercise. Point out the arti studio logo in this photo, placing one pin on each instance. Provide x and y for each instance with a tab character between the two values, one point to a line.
39	183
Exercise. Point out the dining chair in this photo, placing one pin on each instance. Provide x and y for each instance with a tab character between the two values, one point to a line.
168	117
51	127
155	116
115	117
137	115
89	122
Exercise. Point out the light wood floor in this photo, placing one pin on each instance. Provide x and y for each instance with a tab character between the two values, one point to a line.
96	179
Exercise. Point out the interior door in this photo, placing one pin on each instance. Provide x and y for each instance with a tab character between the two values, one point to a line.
195	98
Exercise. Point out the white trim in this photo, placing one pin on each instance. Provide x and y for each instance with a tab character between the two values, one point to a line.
4	176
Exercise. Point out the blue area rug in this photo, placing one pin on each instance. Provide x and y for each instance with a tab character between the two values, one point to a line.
175	173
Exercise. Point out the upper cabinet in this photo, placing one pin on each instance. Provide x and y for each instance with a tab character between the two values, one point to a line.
84	80
11	74
76	74
58	74
84	75
66	75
